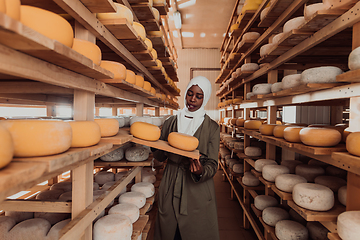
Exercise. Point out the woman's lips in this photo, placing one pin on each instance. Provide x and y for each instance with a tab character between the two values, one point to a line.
191	106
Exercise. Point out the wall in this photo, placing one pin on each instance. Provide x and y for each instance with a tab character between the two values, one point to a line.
199	58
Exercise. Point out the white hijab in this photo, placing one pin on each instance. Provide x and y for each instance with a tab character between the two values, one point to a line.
190	125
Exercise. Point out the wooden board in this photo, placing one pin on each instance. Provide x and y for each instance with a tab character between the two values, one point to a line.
139	226
99	148
309	215
122	84
149	63
283	195
256	188
257	212
244	45
277	7
244	18
269	229
143	12
250	161
122	163
350	76
320	19
266	183
333	236
163	8
134	45
346	161
119	139
293	38
145	208
143	55
256	173
150	25
120	28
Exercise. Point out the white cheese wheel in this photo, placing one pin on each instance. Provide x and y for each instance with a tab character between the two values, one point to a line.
348	225
354	59
157	121
290	230
232	162
264	201
103	177
113	156
286	182
313	196
136	154
121	121
121	12
279	131
249	95
320	75
265	49
6	224
66	197
11	8
263	13
54	232
334	183
144	119
250	180
19	216
150	178
52	218
309	172
292	24
64	186
352	143
316	230
88	49
272	215
239	145
113	226
146	188
276	39
127	209
238	71
119	175
270	172
291	164
342	195
276	87
140	30
108	185
320	137
48	24
145	131
310	10
118	69
251	36
260	163
238	168
85	133
248	67
252	124
108	126
291	81
35	228
292	133
267	129
253	151
6	147
136	198
156	13
262	88
49	194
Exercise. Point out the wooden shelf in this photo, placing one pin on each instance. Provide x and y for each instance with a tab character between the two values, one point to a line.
122	137
333	236
122	163
139	226
257	212
269	229
276	9
320	19
350	76
283	195
122	84
163	8
346	161
257	188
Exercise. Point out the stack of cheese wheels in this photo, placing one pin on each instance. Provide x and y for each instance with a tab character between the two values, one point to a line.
334	183
288	229
286	182
260	163
146	188
293	24
348	225
137	154
127	209
292	133
48	24
103	177
270	172
183	141
250	180
136	198
264	201
272	215
267	129
309	172
252	124
313	196
320	137
88	49
291	164
352	143
31	137
116	68
6	147
85	133
36	228
253	151
145	131
342	192
354	59
121	12
320	75
11	8
108	126
113	226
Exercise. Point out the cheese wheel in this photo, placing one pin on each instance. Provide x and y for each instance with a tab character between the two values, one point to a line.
130	76
52	218
334	183
317	230
272	215
95	186
121	121
159	2
6	147
291	230
183	141
31	137
276	87
145	131
286	182
352	143
6	224
147	86
267	129
12	8
249	95
354	59
36	228
264	201
250	36
250	180
48	24
64	186
127	209
98	193
88	49
320	75
139	81
291	81
291	164
49	194
292	24
342	195
253	151
113	156
260	163
292	134
249	67
140	30
232	162
310	10
103	177
121	12
54	232
276	39
119	175
156	13
313	196
240	122
19	216
155	33
137	154
146	188
85	133
265	49
270	172
320	137
252	124
108	185
263	13
113	226
233	121
348	225
118	69
233	27
154	54
337	172
262	88
108	126
279	131
239	145
136	198
148	44
150	178
153	91
310	172
66	197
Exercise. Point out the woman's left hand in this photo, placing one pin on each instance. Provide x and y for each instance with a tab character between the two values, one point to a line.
195	166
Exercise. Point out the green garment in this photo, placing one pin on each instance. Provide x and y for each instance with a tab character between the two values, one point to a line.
185	199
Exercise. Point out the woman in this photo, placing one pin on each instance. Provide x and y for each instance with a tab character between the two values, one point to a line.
187	205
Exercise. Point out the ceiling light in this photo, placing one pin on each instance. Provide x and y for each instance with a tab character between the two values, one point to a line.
175	34
202	34
187	34
177	19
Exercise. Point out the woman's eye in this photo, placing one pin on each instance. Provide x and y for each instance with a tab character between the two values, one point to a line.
199	97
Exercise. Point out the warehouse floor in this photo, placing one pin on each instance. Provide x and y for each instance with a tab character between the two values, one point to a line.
229	213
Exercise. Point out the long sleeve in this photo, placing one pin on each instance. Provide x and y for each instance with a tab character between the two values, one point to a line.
159	154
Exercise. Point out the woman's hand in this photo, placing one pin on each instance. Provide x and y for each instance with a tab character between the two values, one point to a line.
195	166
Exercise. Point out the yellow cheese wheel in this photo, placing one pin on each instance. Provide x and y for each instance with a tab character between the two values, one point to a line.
13	9
149	44
353	143
145	131
292	133
154	54
108	126
233	121
152	90
85	133
240	122
250	6
34	138
139	81
147	86
278	131
156	13
48	24
116	68
158	95
158	63
320	137
345	135
140	30
88	49
252	124
267	129
234	27
130	76
155	33
183	141
6	147
161	2
2	6
121	12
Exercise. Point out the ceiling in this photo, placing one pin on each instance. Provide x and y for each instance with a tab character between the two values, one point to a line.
204	22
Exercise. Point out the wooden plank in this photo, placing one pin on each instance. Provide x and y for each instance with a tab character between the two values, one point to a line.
239	179
320	19
143	55
119	139
333	236
100	148
134	45
122	84
266	183
349	76
122	163
293	38
145	208
120	28
163	8
36	206
139	226
309	215
320	150
257	212
256	173
244	45
283	195
277	7
346	161
149	63
150	25
143	12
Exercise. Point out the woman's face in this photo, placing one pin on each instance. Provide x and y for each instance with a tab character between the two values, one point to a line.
194	98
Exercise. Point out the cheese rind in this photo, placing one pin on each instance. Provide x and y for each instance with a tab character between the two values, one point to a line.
183	141
291	164
342	195
130	77
264	201
352	143
140	30
85	133
136	154
252	124
262	88
320	137
88	49
291	230
313	196
127	209
121	12
147	86
292	134
250	180
113	156
270	172
354	59
249	67
103	177
279	131
253	151
35	228
11	8
293	24
276	39
260	163
265	49
139	81
286	182
118	69
251	36
113	226
310	10
291	81
108	126
146	188
136	198
145	131
276	87
267	129
320	75
272	215
348	225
